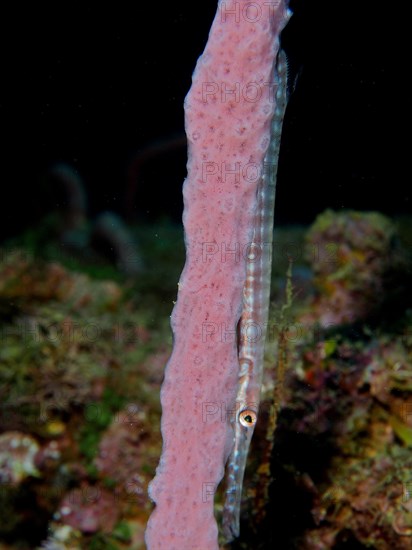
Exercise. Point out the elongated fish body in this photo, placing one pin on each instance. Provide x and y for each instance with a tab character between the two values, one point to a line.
254	318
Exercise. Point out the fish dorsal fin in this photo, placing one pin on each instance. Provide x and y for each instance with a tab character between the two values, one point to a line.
293	74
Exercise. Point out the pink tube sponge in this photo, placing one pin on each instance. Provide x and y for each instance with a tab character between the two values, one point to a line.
228	114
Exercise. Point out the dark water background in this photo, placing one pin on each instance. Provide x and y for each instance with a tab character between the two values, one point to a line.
93	87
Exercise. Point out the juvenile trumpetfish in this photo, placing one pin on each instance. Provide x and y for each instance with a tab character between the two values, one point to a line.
241	51
255	310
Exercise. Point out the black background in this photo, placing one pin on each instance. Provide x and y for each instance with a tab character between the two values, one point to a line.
95	85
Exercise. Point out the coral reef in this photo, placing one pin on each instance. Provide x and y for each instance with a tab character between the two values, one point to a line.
81	364
89	509
77	444
350	254
349	400
339	471
17	457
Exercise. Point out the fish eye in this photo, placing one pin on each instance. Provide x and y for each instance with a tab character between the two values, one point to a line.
247	418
